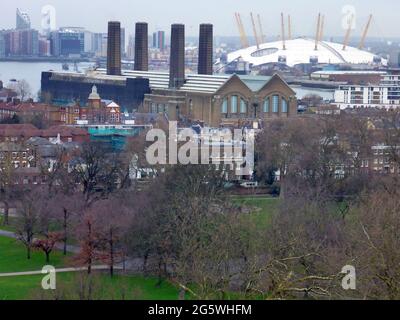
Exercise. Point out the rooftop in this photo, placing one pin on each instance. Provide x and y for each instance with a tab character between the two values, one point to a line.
301	50
160	80
27	107
27	131
350	72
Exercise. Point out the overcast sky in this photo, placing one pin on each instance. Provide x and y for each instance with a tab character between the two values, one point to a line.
94	14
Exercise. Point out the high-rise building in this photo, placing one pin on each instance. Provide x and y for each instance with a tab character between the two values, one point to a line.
123	42
177	59
159	40
2	46
22	20
68	41
21	42
88	41
131	47
141	47
99	44
44	47
206	49
114	48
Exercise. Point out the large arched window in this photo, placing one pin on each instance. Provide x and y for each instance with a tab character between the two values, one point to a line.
275	104
153	107
266	105
243	106
224	106
284	106
234	104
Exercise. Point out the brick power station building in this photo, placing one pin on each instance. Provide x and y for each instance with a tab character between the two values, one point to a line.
215	100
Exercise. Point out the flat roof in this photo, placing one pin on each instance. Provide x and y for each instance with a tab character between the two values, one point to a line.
349	72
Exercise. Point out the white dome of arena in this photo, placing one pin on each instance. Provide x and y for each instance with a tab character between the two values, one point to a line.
302	51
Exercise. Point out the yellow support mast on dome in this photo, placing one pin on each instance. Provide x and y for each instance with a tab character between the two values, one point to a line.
365	33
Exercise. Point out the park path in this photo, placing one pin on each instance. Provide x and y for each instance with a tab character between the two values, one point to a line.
72	249
134	265
8	234
62	270
58	246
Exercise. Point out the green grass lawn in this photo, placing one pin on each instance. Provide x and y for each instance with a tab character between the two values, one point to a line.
13	257
10	227
262	209
119	287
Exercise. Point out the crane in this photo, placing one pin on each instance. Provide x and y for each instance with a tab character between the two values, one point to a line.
318	32
348	33
242	33
321	32
364	36
262	35
289	27
283	32
255	30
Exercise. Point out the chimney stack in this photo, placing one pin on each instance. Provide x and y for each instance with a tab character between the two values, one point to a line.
114	48
206	49
177	59
141	47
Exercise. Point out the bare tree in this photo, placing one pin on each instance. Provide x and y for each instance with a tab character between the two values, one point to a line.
28	220
375	242
188	227
112	221
23	89
7	190
391	134
307	148
89	239
96	171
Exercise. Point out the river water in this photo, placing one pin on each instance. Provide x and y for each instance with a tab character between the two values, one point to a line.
31	72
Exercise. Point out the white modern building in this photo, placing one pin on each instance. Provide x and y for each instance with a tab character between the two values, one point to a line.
23	22
302	51
386	95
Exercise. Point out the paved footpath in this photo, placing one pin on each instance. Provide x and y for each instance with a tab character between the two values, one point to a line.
63	270
7	234
134	265
59	246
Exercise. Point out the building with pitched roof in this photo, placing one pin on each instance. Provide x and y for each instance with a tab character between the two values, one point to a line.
29	110
213	99
97	111
5	93
222	100
20	133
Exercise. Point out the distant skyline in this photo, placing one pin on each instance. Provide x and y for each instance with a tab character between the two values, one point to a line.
93	15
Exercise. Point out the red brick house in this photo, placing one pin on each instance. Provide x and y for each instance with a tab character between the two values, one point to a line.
51	114
19	133
97	111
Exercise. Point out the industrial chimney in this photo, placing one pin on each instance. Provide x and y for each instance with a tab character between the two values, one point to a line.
206	49
141	47
114	48
177	59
